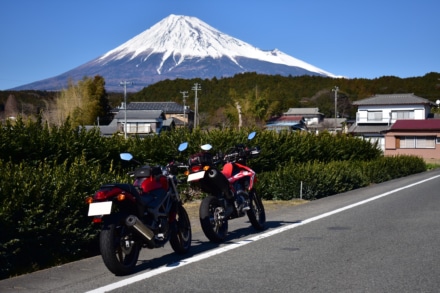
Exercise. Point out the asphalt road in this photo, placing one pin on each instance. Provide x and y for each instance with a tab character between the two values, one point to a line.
383	238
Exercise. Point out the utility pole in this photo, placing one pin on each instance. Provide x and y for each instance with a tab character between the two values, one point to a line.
336	89
125	84
196	87
184	94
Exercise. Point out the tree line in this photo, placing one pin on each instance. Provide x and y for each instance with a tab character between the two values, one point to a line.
259	97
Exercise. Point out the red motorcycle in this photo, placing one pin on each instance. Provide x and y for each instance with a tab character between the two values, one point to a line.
147	213
230	192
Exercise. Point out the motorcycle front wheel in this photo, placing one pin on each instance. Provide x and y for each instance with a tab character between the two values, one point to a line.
256	214
212	219
181	238
119	250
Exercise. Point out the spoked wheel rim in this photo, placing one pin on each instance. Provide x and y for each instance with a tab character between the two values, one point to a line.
256	214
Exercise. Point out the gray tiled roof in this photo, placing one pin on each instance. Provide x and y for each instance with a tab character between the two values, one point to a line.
392	99
363	129
302	111
166	107
139	114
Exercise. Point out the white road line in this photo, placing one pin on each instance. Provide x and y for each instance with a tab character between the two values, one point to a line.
235	245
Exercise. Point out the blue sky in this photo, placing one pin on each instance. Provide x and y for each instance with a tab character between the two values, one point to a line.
358	39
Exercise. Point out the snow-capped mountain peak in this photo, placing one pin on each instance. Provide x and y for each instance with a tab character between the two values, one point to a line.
185	37
179	47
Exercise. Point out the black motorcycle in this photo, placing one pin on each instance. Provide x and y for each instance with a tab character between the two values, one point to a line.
147	213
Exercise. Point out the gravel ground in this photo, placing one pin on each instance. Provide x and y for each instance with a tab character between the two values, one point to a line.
192	208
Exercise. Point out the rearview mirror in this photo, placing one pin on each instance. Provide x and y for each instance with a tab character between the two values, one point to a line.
126	156
206	147
183	146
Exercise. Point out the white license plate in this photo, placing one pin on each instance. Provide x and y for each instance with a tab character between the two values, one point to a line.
100	208
196	176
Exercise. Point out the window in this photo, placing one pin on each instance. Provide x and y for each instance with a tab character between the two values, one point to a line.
131	127
425	142
144	128
395	115
374	116
417	142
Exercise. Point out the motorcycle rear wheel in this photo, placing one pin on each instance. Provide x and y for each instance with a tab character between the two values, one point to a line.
256	214
212	220
119	250
181	238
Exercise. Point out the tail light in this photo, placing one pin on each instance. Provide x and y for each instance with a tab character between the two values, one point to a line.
196	168
97	220
106	193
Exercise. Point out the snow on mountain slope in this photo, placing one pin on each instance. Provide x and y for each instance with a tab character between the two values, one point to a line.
179	47
183	37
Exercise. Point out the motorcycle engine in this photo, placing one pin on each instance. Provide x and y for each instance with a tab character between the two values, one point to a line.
162	229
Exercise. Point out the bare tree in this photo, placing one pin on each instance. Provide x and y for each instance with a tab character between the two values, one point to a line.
11	107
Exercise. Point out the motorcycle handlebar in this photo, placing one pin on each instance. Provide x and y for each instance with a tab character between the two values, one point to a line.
241	152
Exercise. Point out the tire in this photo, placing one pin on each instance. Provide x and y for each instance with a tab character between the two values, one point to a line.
256	215
181	236
119	250
212	220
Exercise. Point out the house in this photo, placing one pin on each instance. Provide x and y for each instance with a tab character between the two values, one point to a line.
414	137
172	110
291	123
139	122
314	120
311	116
377	113
146	118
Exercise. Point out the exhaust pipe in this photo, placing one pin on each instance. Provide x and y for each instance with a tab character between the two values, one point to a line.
133	222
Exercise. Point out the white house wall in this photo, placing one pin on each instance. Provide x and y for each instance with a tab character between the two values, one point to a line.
362	113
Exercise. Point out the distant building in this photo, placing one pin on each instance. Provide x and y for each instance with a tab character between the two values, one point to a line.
309	119
291	123
377	113
413	137
146	118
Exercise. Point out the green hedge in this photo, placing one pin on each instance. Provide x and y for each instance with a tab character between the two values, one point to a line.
314	180
43	213
47	172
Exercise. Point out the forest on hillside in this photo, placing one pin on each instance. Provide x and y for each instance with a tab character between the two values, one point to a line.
259	96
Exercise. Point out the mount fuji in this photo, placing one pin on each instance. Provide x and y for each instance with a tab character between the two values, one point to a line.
179	47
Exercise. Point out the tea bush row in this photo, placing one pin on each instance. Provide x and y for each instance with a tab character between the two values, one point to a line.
314	180
46	172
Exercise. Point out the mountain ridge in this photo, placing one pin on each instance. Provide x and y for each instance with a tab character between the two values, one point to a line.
179	47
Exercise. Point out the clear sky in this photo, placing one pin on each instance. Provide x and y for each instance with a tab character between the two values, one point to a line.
40	39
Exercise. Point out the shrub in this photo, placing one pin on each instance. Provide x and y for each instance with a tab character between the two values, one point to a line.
314	180
47	173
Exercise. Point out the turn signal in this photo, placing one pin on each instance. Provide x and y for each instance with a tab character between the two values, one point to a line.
186	173
89	200
205	168
121	197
